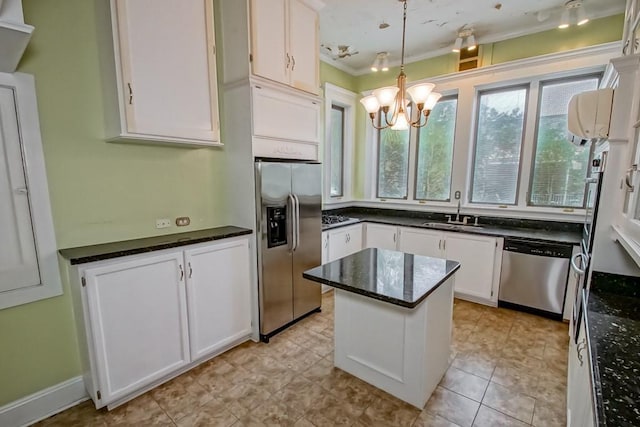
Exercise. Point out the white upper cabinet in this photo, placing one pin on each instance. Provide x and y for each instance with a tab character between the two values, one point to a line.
285	43
165	72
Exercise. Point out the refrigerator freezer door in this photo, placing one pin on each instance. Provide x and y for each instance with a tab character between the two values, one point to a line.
306	186
276	288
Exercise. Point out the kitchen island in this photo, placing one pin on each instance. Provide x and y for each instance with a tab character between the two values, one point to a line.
393	317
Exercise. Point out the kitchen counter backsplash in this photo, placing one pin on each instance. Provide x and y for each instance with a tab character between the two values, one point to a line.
517	223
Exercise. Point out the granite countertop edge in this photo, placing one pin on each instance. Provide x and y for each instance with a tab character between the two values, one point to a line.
594	372
104	251
485	230
379	297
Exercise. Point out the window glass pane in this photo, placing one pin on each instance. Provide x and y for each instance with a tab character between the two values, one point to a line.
498	141
559	167
435	152
337	150
393	163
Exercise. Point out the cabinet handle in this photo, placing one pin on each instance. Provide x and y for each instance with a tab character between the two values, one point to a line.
394	237
581	346
190	271
130	94
293	62
288	60
444	245
181	272
627	178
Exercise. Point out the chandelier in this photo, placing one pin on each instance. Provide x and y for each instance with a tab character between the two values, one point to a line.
393	101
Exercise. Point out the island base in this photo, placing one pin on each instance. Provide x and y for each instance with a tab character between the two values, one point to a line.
402	351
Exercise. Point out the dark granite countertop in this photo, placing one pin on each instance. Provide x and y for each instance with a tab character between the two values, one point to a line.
84	254
613	329
391	276
550	231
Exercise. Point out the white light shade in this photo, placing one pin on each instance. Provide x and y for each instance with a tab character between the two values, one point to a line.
434	97
564	20
471	42
385	63
386	95
370	104
420	93
582	16
457	45
401	123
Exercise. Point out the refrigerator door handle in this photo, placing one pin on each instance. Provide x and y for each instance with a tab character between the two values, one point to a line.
294	222
297	220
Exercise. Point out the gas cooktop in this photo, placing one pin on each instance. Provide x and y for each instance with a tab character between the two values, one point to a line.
336	219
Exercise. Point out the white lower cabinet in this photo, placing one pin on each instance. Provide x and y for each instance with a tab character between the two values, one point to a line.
580	407
480	259
138	320
218	296
344	241
148	317
381	236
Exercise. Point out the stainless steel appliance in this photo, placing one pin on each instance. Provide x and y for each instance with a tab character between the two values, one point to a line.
534	276
288	205
581	262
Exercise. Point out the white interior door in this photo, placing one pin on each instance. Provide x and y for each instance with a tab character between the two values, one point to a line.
218	292
18	258
165	65
138	317
476	255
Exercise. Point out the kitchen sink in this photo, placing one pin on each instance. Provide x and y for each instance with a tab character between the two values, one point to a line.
449	226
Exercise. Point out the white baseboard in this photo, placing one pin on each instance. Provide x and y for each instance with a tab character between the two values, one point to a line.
43	404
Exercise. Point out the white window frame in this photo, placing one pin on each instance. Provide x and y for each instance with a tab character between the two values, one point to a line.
23	87
590	60
336	95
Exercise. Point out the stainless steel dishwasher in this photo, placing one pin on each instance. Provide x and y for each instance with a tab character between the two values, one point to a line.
534	276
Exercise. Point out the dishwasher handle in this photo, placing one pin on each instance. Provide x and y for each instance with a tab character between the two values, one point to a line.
574	265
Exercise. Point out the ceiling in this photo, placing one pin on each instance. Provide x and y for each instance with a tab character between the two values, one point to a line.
432	25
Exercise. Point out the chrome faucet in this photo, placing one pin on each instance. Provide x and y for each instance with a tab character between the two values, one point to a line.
458	212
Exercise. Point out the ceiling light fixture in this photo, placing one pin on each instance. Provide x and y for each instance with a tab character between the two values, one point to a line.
381	62
457	45
394	98
466	38
565	19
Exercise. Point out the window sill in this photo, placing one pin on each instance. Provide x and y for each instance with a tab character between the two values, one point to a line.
548	214
630	245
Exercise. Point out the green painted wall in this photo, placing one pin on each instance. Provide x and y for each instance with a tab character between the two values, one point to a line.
333	75
99	191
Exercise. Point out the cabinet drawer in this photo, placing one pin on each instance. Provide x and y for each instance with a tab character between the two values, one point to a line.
285	116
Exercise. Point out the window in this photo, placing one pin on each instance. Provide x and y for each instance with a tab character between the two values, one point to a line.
393	163
499	133
435	152
339	131
559	167
337	151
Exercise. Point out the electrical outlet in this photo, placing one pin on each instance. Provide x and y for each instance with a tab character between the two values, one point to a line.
182	221
163	223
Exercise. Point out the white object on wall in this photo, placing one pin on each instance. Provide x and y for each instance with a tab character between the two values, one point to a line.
14	35
590	115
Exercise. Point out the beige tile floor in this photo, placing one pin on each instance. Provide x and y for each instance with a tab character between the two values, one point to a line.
507	369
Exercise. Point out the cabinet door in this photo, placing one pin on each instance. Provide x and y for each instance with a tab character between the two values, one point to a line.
138	318
268	40
325	247
381	236
421	242
579	399
476	255
167	63
304	47
344	241
218	295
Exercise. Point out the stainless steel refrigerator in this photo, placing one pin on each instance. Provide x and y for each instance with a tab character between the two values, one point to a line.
289	211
